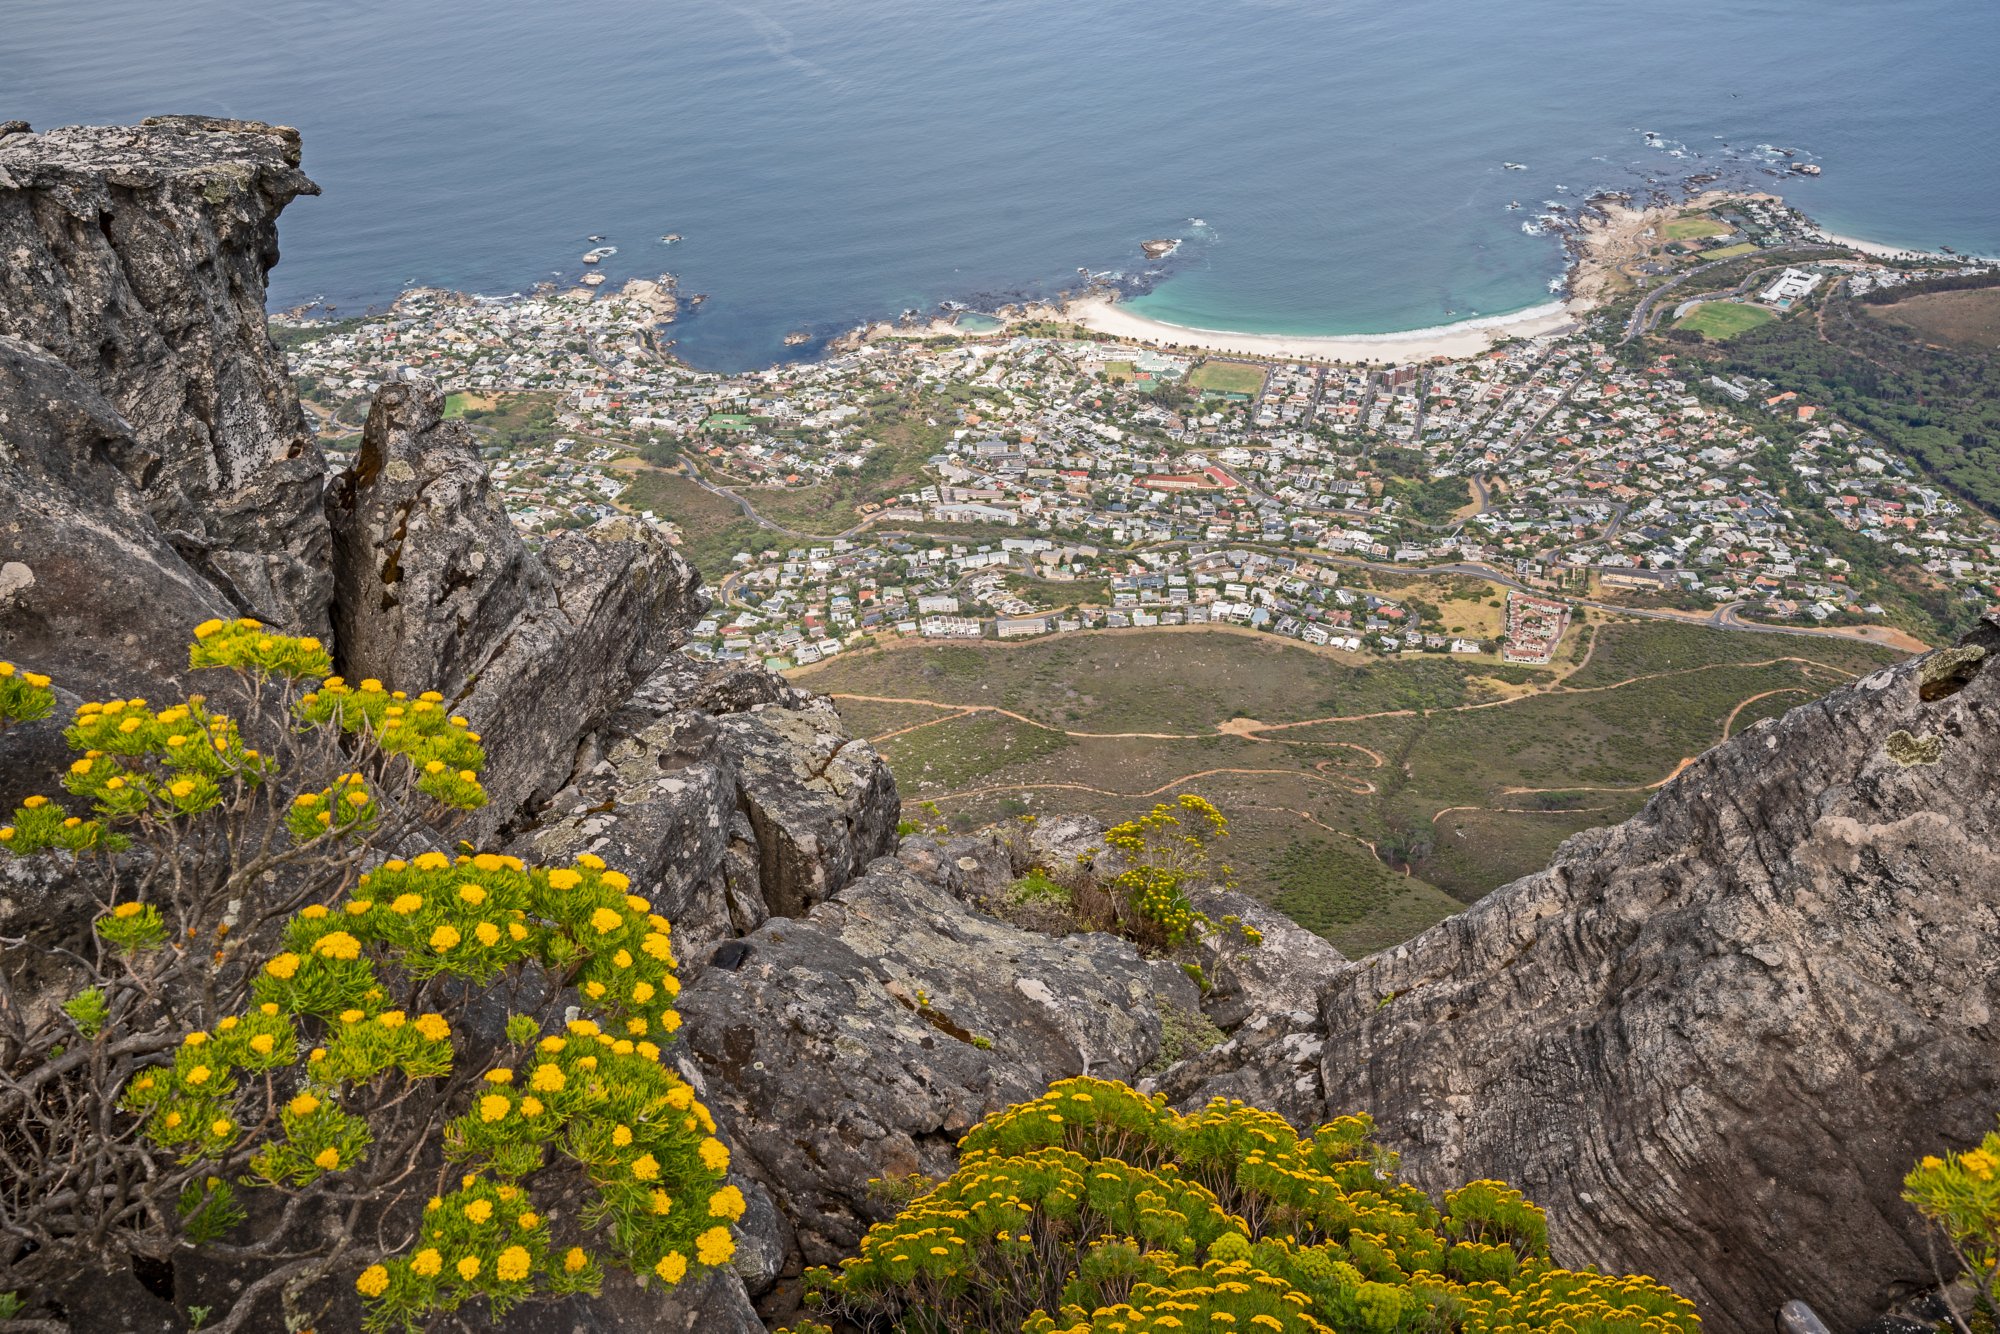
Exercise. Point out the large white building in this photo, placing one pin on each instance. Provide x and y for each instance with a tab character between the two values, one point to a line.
1791	285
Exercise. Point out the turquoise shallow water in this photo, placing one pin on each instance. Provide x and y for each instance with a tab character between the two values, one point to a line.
830	162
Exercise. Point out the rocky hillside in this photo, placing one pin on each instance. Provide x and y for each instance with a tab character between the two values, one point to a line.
1710	1040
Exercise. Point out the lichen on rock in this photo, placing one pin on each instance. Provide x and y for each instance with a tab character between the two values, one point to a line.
1910	750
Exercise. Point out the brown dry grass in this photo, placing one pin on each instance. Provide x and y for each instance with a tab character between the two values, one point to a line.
1969	319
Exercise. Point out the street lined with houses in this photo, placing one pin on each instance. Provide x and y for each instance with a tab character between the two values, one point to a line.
1033	482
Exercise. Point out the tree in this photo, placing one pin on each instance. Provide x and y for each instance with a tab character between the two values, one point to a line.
259	1008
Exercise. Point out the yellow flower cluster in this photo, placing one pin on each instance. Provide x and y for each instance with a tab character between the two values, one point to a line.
344	807
597	1093
166	764
133	926
483	1240
646	1143
1094	1209
40	824
1960	1194
443	747
1165	850
191	1105
25	696
248	647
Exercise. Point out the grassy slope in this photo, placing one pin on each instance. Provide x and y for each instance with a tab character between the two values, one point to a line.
1312	797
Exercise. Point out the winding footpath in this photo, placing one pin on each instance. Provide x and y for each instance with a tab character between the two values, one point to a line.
1329	771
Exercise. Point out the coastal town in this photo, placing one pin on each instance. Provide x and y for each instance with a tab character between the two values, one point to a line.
1042	479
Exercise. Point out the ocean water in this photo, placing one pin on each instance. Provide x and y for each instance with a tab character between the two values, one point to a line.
829	161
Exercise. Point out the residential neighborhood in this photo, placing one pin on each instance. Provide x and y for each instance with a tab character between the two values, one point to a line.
1046	482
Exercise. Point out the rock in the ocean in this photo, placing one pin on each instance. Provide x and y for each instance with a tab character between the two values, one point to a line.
1711	1040
137	256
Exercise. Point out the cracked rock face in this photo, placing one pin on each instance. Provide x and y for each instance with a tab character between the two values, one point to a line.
863	1039
91	591
1711	1040
728	797
437	591
137	256
428	569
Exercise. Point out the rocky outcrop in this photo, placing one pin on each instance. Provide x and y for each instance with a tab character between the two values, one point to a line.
137	256
861	1040
1711	1040
731	795
428	571
436	590
91	591
1271	1061
1287	972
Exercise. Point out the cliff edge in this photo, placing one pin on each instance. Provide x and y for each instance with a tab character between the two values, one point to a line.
1711	1040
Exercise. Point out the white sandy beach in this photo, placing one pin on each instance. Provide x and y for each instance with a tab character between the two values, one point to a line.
1466	339
1890	252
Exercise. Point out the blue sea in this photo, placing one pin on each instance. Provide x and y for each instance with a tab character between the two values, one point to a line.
830	161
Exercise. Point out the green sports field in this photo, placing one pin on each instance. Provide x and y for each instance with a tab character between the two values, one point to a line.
1724	319
1227	377
1688	228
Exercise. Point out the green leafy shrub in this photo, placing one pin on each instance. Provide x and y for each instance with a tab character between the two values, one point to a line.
1959	1194
269	1003
1094	1210
1037	887
25	696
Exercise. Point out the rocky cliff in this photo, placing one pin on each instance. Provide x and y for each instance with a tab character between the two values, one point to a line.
137	257
435	587
1711	1040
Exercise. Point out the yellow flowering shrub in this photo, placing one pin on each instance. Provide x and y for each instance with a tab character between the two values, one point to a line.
1165	851
595	1094
147	767
1959	1195
1095	1210
25	696
318	987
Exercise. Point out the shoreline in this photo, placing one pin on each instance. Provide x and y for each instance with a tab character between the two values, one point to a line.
1102	314
1882	251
